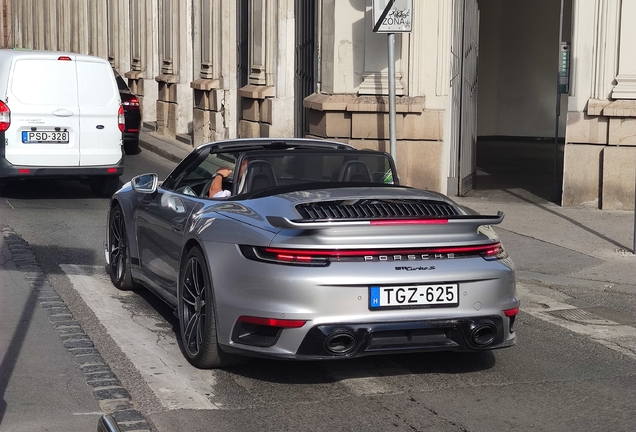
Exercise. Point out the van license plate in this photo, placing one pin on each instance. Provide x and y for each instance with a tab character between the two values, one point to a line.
45	137
413	296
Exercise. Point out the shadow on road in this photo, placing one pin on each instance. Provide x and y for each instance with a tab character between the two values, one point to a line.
14	347
324	372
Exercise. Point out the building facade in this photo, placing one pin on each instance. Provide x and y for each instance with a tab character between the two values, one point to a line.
211	69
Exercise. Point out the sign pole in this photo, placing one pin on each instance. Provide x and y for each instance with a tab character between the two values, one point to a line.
392	137
390	17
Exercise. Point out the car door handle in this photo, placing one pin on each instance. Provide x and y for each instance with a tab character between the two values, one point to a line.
177	227
63	113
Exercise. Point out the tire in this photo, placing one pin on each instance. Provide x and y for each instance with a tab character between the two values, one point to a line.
131	147
197	317
104	186
119	267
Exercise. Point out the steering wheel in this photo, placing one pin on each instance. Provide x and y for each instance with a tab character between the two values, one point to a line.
206	188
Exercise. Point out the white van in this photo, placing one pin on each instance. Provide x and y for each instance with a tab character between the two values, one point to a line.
62	117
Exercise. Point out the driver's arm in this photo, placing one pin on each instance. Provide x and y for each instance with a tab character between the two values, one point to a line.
217	181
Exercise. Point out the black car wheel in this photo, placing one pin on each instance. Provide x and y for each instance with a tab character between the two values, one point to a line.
197	316
120	273
131	147
104	185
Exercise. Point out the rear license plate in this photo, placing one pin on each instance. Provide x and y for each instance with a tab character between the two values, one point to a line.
44	137
413	296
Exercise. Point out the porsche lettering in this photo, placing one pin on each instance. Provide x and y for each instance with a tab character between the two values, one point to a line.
417	257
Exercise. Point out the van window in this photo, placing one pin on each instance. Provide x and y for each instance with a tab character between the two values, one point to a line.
98	89
44	82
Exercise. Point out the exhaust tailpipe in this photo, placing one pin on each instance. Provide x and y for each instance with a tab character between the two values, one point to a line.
340	343
483	334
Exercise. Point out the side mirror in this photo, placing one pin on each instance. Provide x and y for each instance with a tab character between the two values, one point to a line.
145	183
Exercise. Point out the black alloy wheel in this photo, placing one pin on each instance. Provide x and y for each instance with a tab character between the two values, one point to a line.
118	251
197	316
104	186
131	147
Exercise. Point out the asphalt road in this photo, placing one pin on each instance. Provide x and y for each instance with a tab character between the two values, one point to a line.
555	379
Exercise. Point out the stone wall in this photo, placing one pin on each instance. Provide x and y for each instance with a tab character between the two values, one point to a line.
363	121
600	156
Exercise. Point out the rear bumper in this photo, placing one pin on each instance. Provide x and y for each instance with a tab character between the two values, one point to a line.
334	341
130	136
465	334
7	170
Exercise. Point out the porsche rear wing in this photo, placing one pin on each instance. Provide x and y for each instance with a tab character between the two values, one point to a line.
464	220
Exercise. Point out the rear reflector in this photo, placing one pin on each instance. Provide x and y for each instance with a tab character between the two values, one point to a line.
5	117
511	312
24	171
272	322
111	170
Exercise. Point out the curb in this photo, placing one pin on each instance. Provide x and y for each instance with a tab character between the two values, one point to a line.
107	390
165	149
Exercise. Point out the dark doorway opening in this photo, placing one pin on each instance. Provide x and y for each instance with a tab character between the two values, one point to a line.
521	167
520	133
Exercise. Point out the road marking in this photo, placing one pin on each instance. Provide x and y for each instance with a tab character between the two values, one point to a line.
156	355
177	385
621	338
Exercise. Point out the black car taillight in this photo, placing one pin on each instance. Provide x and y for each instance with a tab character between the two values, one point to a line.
131	103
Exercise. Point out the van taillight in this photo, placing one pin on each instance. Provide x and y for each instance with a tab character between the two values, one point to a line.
5	117
120	118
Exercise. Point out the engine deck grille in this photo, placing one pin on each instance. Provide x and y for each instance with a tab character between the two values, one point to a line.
375	209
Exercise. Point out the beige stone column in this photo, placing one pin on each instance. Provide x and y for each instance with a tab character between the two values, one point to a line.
626	78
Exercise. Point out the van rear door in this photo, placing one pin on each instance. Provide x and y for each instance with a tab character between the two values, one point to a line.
98	95
42	97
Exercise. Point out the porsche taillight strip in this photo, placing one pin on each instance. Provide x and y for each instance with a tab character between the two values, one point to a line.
477	220
489	249
323	257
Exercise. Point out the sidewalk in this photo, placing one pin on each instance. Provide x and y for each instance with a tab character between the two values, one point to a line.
51	376
41	388
569	246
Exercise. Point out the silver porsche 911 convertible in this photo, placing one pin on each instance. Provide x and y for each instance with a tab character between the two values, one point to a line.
316	252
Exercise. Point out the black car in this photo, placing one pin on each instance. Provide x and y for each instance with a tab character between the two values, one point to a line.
132	115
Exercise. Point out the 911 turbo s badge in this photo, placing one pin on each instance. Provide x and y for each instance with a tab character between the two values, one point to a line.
409	268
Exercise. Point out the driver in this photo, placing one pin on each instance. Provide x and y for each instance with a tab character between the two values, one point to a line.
216	188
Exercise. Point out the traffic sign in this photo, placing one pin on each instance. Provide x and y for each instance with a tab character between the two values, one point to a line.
392	16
